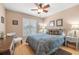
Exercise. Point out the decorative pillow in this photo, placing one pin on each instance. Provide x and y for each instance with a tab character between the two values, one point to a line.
55	32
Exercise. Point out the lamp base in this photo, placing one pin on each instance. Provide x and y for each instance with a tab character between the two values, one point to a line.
75	34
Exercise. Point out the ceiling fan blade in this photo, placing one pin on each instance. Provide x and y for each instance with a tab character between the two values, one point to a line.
36	4
45	11
46	6
40	5
34	9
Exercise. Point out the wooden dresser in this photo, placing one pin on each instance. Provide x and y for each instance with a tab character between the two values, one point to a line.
5	46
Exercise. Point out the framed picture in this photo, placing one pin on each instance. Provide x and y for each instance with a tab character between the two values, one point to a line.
15	22
2	19
52	23
59	22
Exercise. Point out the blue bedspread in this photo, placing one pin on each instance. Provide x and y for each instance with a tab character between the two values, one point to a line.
43	44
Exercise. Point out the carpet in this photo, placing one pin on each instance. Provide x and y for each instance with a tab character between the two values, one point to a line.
61	52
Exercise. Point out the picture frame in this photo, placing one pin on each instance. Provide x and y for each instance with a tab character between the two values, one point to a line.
59	22
15	22
2	19
52	23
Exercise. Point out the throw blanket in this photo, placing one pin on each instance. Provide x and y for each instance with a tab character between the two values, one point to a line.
44	43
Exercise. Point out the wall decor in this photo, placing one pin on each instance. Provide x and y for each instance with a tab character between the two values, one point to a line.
2	19
59	22
52	23
15	22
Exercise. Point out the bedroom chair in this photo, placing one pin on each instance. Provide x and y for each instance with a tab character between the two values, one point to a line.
14	44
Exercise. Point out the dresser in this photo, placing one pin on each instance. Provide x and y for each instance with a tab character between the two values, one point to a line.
5	45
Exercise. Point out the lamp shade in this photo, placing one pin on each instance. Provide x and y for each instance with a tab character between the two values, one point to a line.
75	27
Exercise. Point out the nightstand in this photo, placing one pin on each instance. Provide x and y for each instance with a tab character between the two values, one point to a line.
72	40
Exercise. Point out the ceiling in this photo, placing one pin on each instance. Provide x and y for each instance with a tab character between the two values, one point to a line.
26	8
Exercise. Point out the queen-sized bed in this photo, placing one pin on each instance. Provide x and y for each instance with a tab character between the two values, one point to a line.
44	44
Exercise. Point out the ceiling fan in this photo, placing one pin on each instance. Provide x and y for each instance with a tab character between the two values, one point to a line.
41	7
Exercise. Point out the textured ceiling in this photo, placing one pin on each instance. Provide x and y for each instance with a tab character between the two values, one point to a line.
26	8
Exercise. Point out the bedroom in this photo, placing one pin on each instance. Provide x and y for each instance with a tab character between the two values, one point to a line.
31	29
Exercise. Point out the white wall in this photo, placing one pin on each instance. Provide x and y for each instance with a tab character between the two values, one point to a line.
2	13
13	15
70	16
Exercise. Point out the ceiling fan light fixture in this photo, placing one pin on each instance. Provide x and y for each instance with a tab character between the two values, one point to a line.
40	10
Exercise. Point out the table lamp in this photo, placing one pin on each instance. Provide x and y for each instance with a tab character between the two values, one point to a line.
75	27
